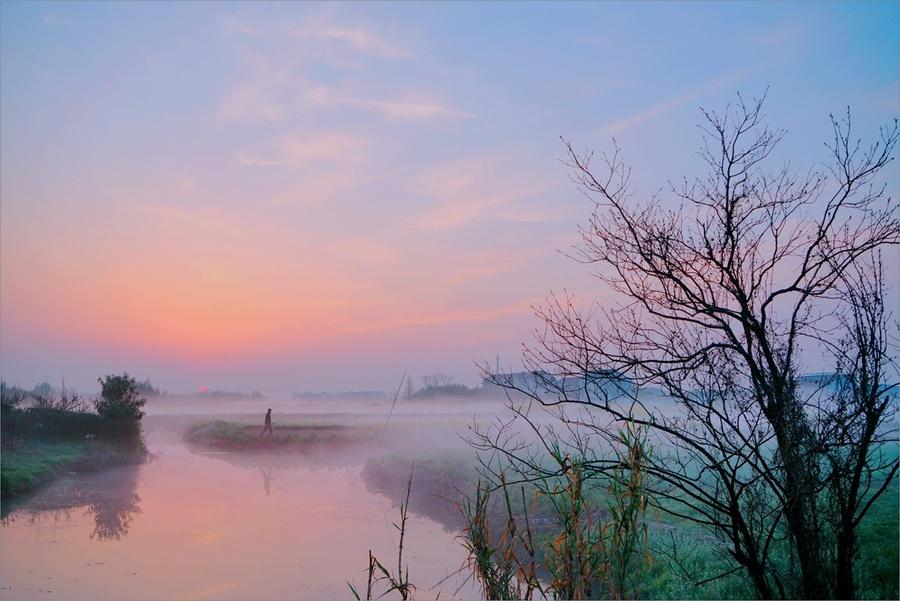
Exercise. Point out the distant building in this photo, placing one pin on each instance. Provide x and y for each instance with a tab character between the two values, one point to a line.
820	379
532	382
598	385
595	385
362	395
313	396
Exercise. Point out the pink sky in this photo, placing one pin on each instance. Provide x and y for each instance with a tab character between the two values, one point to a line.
303	197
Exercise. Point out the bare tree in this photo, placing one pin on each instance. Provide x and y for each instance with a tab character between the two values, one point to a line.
855	420
436	380
721	298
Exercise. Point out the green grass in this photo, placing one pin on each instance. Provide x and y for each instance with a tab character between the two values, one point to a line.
33	462
439	478
878	566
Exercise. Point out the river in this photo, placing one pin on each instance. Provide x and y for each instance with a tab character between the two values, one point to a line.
189	524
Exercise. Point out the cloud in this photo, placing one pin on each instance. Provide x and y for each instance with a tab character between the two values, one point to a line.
263	95
273	87
408	109
232	24
456	213
322	186
492	263
358	39
462	191
270	91
625	123
442	318
786	36
535	214
253	101
53	19
362	40
200	218
308	147
362	251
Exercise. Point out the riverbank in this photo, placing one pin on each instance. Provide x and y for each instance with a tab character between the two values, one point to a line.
34	463
441	482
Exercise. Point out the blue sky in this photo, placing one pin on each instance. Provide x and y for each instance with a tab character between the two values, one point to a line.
316	196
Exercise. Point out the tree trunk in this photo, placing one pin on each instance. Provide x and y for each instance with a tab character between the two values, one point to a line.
845	586
800	508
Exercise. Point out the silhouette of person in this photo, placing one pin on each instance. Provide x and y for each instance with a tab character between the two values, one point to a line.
268	426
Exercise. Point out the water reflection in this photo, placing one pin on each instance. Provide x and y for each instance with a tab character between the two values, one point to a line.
270	462
267	478
110	498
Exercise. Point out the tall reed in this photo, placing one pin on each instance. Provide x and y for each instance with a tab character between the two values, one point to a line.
588	556
377	572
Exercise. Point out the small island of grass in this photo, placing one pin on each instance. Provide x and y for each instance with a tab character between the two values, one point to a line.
230	436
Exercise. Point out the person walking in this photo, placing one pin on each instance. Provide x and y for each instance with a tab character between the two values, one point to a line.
268	426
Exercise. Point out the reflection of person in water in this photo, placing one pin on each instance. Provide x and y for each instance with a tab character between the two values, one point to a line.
268	426
267	478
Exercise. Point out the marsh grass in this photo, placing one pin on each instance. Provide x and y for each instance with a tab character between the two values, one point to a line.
504	564
700	569
595	544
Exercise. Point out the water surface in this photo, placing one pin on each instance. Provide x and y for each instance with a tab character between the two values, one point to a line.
191	524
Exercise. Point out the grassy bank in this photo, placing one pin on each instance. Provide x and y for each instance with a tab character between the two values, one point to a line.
59	433
439	482
32	463
232	436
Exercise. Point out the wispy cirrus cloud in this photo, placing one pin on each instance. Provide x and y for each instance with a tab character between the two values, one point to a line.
787	35
457	212
408	108
424	320
362	251
461	191
365	41
619	125
203	219
304	148
320	186
492	263
267	91
274	90
232	24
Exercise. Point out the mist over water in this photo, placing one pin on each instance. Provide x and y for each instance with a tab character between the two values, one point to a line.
194	523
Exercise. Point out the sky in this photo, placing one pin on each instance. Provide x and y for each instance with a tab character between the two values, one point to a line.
296	196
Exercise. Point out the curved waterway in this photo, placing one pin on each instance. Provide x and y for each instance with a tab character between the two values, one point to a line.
194	524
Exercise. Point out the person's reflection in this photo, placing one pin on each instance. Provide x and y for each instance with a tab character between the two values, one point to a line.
267	478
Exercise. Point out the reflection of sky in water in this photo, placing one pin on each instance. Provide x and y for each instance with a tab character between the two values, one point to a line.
192	525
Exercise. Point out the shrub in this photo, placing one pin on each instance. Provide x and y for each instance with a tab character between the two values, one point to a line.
120	400
46	421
